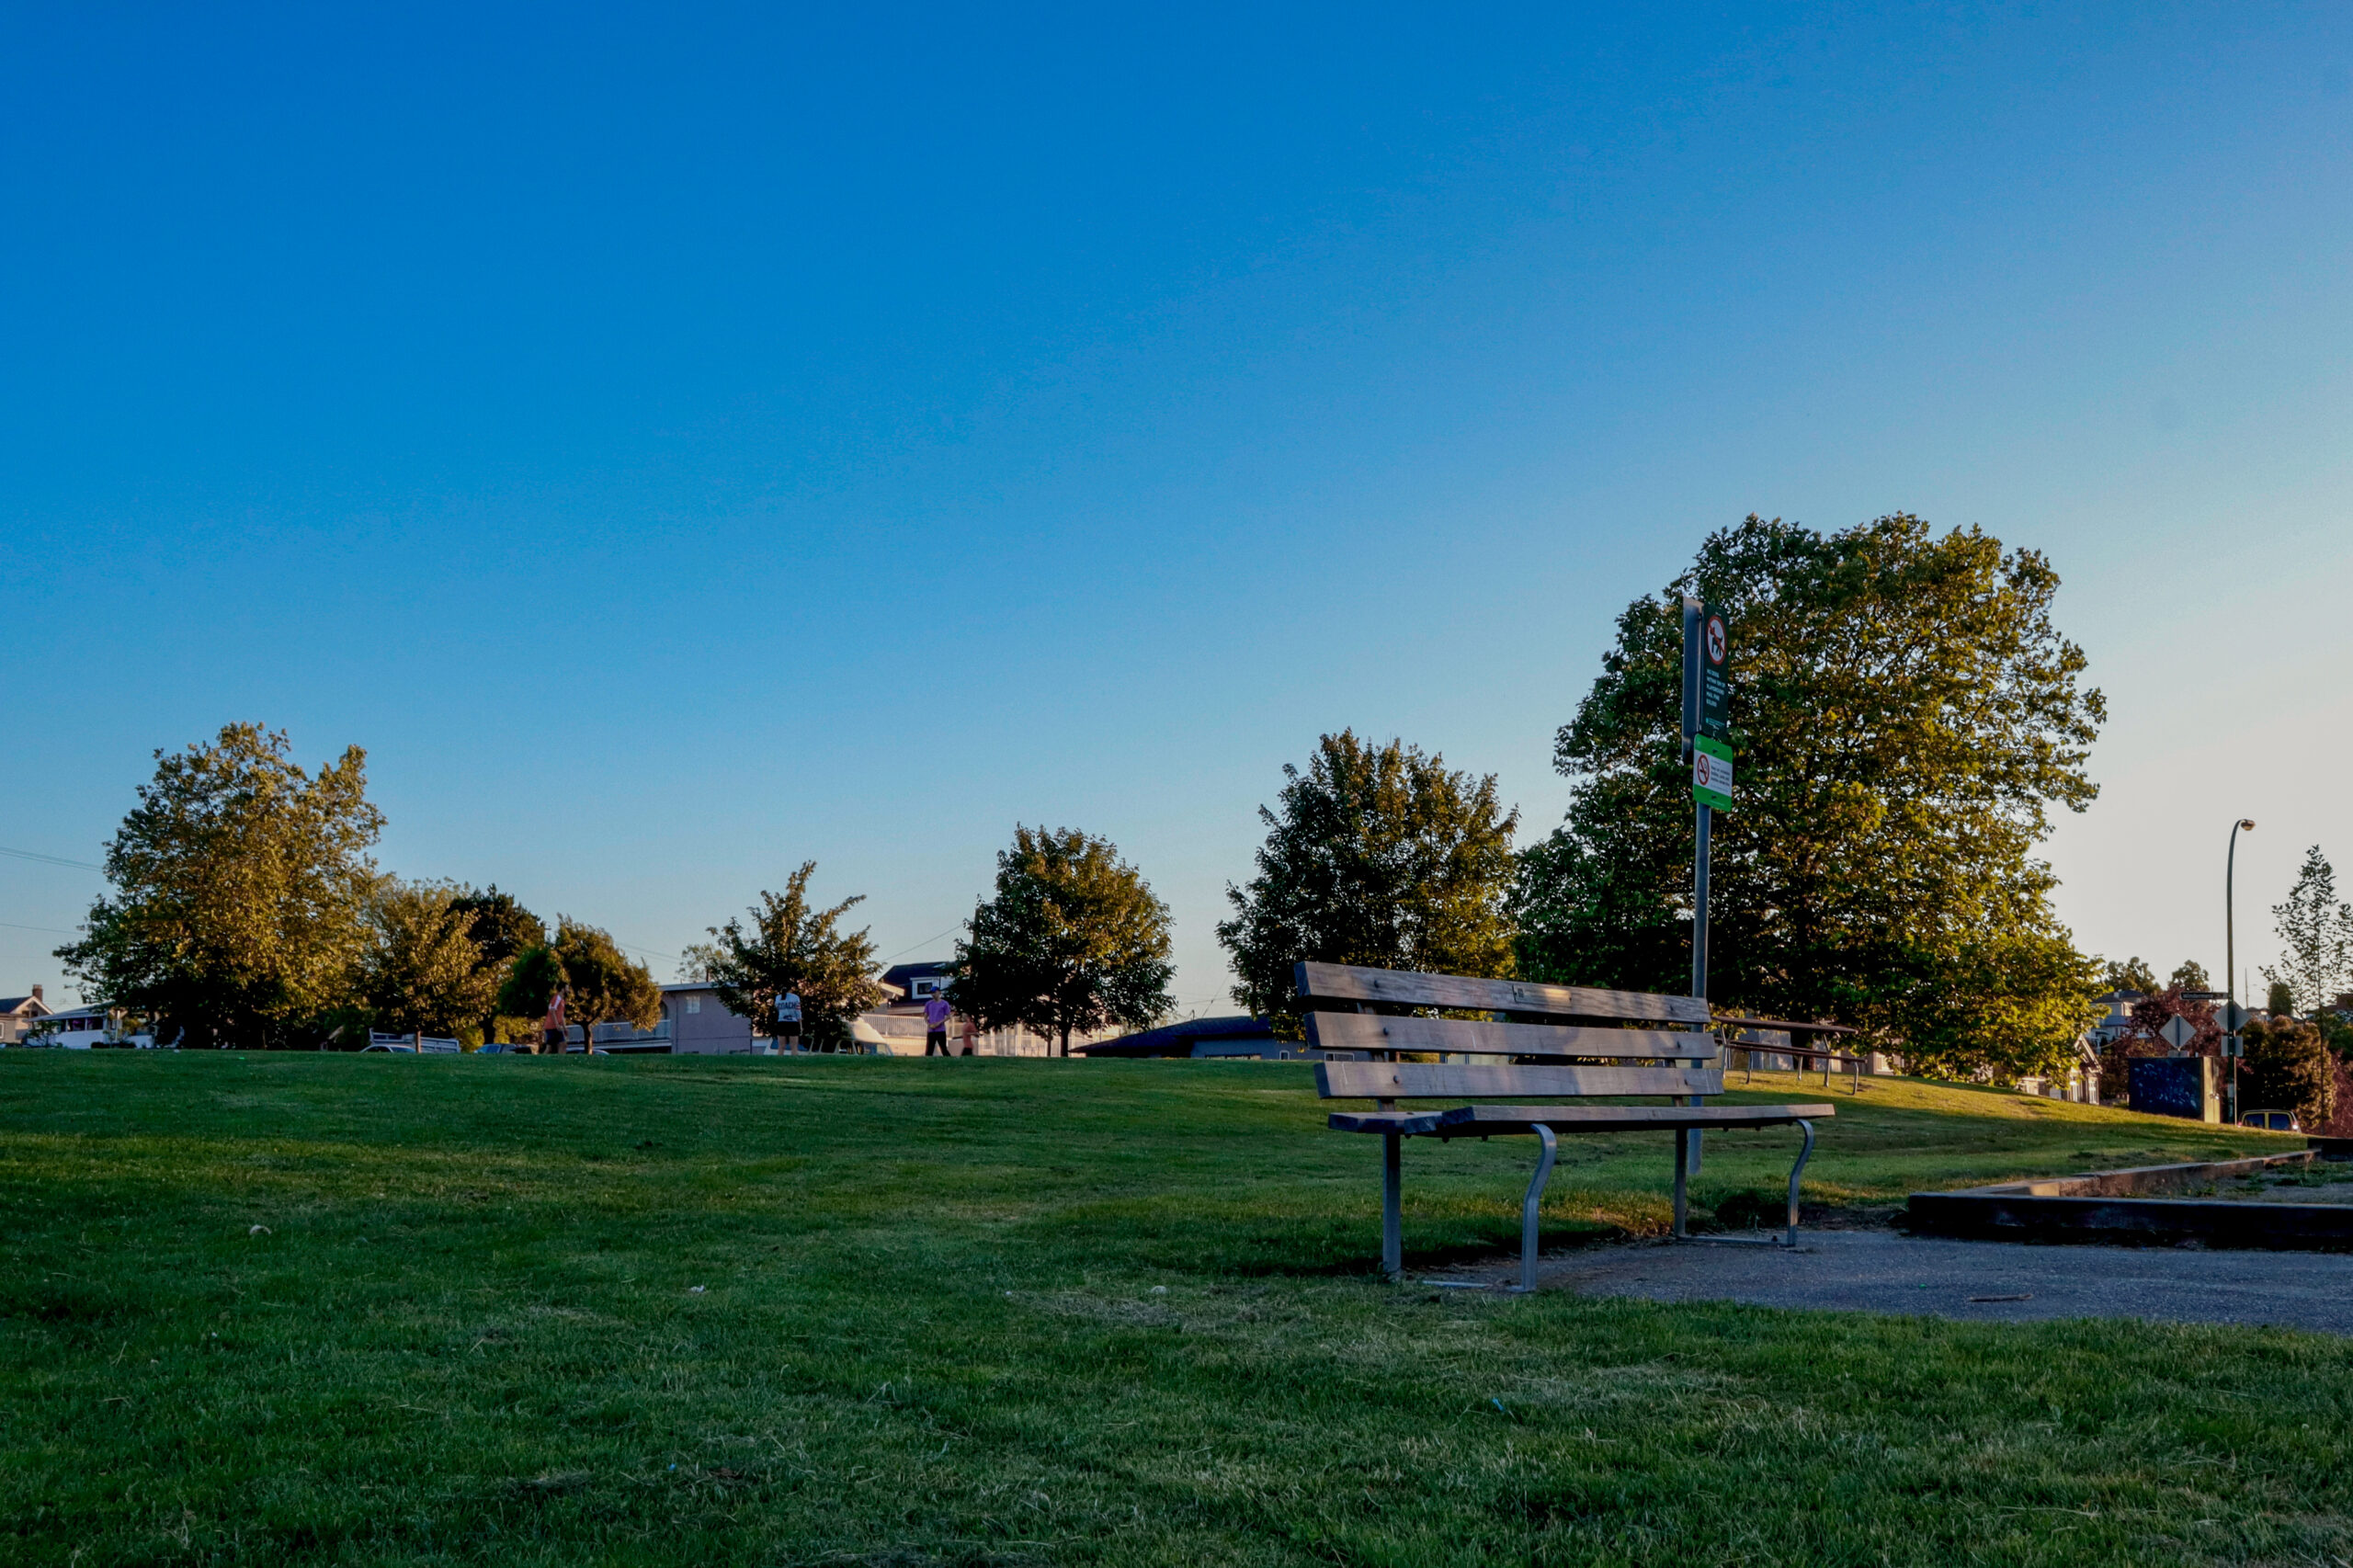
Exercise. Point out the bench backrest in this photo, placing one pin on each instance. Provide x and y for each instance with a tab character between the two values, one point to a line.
1526	1033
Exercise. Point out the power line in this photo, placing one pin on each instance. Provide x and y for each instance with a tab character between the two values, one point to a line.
51	929
927	941
51	860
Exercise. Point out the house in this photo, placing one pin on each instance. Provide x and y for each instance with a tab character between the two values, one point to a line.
2118	1021
83	1028
699	1024
20	1014
918	982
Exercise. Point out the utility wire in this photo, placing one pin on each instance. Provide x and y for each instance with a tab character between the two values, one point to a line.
51	929
52	859
927	941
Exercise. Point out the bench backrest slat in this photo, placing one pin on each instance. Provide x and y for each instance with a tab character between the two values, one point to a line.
1473	1037
1347	983
1417	1080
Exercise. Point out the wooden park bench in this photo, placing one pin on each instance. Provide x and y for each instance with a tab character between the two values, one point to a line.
1538	1059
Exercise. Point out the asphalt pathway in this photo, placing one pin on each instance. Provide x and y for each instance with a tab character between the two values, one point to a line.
1883	1271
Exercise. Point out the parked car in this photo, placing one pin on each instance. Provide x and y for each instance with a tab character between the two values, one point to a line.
2271	1121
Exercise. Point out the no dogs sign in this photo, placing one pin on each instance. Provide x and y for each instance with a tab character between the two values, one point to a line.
1712	773
1715	676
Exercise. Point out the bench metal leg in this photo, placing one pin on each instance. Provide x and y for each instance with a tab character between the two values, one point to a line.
1682	1183
1392	1206
1796	1171
1532	1202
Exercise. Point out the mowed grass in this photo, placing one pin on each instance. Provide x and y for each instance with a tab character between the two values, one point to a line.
975	1311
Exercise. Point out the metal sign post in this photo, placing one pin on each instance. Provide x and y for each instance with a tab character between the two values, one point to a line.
1707	748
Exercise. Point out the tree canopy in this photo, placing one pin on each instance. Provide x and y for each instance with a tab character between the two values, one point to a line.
1905	717
425	973
240	888
790	948
601	984
1375	856
1071	939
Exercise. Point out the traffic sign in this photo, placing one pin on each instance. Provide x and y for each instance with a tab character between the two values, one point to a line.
1712	773
2179	1033
2233	1017
2233	1045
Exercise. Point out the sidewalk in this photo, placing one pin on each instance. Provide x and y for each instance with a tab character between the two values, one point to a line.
1881	1271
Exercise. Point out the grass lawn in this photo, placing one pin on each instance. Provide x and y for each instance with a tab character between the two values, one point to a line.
336	1309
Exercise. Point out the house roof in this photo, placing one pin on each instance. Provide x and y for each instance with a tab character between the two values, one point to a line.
1178	1039
17	1004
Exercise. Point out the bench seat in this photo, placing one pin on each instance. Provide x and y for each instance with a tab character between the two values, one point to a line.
1391	1035
1501	1120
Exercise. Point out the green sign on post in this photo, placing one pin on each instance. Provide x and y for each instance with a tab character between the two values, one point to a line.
1711	745
1715	683
1712	773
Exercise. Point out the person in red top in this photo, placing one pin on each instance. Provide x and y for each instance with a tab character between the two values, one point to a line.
551	1027
935	1024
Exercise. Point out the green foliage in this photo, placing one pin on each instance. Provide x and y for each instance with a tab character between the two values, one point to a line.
240	887
530	983
790	949
602	985
1376	857
2315	929
2133	974
2289	1066
424	972
2280	999
498	923
2190	975
1072	940
1904	716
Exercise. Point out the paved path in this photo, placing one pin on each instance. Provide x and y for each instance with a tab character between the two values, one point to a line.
1881	1271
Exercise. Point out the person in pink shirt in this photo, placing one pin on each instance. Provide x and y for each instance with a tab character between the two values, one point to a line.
551	1031
935	1024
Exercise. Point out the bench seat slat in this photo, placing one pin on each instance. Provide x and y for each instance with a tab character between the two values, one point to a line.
1347	983
1501	1120
1475	1037
1428	1080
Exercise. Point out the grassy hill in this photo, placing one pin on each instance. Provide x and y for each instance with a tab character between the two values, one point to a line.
303	1309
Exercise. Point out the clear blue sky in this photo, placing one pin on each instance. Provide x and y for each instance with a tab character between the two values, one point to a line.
678	442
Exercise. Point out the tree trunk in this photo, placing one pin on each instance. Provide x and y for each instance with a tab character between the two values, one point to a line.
1065	1038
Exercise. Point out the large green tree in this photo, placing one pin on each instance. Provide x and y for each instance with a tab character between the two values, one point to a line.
791	949
601	984
240	884
424	973
1905	717
503	930
1071	939
1377	856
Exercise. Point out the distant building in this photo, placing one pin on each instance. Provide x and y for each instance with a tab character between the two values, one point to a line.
918	982
2118	1021
82	1028
20	1014
699	1023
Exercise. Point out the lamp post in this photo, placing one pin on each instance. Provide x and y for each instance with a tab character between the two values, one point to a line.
2230	956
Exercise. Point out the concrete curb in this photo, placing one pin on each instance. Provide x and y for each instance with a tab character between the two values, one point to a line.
2096	1208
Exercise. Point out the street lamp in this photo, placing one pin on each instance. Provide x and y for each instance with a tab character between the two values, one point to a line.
2230	974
